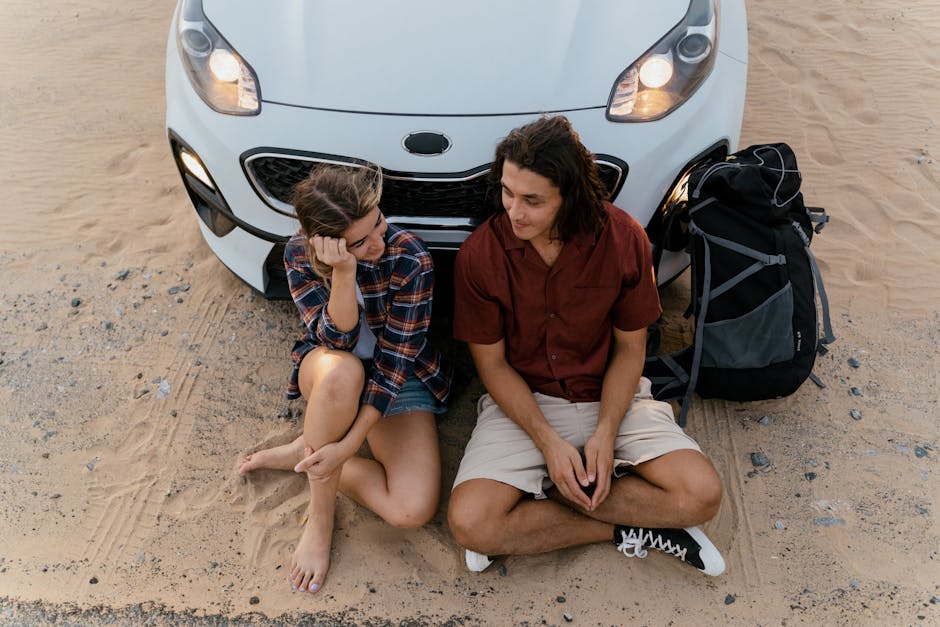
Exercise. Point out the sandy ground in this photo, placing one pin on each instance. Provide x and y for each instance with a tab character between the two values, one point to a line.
135	370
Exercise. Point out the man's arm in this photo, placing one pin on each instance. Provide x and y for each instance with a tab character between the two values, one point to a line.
513	396
617	390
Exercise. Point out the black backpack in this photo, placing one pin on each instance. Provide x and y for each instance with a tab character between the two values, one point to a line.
754	283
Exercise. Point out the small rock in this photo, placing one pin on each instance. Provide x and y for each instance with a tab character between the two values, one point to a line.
55	495
42	326
568	617
920	509
853	362
76	302
828	521
502	570
765	420
173	290
853	584
372	589
729	599
560	599
759	459
173	413
809	476
121	275
854	391
779	525
934	600
164	333
93	580
184	287
254	600
163	390
107	326
855	414
920	451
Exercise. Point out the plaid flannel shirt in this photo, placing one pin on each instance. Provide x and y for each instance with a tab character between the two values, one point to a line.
397	294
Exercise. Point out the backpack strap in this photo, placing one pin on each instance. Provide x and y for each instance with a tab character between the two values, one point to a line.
699	329
761	260
819	216
817	279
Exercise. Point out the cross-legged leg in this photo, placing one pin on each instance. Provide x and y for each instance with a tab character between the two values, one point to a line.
494	518
676	490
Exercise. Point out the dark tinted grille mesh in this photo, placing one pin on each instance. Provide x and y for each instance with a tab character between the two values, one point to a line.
460	199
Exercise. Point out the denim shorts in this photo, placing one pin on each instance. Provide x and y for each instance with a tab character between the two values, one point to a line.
415	396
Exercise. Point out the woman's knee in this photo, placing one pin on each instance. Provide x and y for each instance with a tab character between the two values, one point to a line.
413	512
333	374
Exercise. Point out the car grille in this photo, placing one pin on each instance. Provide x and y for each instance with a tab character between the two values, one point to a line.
456	195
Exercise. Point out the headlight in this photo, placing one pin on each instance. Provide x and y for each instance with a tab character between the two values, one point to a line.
218	73
668	73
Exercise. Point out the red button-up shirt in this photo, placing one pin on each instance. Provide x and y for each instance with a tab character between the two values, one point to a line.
557	321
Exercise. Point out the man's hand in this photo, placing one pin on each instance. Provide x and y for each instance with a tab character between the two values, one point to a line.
567	472
332	251
599	456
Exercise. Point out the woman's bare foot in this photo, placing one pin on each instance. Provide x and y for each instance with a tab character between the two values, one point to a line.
311	560
283	457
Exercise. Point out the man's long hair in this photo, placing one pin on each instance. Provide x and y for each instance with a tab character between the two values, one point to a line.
550	147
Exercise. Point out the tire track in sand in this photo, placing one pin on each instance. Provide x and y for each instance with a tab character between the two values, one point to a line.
127	493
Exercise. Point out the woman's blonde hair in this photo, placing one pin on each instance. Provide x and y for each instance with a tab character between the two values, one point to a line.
330	199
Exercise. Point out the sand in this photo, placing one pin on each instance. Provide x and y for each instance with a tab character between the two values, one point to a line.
123	416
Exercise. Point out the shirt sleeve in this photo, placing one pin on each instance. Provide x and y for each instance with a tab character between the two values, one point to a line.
405	334
311	296
478	315
638	305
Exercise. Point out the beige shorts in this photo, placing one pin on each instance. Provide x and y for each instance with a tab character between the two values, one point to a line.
500	450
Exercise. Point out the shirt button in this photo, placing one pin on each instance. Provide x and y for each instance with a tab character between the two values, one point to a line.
553	356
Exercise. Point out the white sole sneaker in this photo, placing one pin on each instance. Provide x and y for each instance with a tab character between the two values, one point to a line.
477	562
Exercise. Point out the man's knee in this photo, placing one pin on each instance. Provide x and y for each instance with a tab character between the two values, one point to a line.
470	523
700	497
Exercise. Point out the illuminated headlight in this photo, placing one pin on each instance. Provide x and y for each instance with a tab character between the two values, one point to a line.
667	74
217	72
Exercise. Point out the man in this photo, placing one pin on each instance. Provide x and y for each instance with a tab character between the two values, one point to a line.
553	296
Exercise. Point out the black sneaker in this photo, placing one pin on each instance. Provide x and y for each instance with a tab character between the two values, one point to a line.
690	545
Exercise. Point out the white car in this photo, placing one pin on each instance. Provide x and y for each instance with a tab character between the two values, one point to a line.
260	92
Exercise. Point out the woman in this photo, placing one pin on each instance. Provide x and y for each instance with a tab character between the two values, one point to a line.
363	288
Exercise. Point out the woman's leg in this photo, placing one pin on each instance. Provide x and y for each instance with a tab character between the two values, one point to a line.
283	457
402	484
331	381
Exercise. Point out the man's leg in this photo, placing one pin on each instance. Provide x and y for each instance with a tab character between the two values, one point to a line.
494	518
678	489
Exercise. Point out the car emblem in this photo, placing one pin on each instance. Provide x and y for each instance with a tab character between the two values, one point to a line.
426	143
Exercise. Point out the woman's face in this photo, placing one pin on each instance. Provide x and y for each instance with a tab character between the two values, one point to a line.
365	238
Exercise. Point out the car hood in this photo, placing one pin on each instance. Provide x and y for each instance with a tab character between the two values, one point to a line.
441	58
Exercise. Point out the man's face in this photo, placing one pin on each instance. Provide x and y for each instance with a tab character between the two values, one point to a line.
532	202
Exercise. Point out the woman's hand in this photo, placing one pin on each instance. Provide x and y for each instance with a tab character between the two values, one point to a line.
321	464
332	251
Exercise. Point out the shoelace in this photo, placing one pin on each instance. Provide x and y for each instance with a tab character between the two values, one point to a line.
632	545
